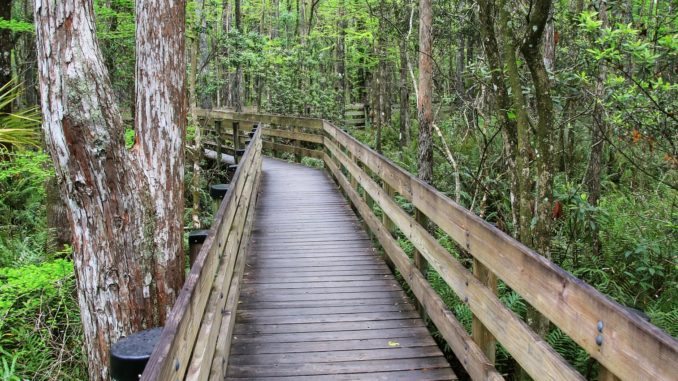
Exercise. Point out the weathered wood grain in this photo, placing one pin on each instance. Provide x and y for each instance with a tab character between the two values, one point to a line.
320	287
531	351
294	150
170	360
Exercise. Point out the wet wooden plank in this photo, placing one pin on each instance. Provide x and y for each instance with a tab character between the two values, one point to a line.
317	302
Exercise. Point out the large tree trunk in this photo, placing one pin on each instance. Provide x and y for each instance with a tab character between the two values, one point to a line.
125	207
524	182
425	93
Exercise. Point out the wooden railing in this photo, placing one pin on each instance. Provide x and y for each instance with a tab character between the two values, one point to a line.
627	346
299	137
196	338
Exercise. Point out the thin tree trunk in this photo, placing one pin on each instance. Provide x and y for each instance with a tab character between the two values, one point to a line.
486	15
523	174
125	206
6	46
340	68
197	147
425	93
227	94
238	91
30	74
531	50
598	132
404	98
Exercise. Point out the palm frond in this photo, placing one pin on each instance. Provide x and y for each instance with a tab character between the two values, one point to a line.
18	128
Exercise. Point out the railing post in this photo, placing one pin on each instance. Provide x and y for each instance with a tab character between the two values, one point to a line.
297	144
481	335
605	375
419	260
236	141
388	223
217	129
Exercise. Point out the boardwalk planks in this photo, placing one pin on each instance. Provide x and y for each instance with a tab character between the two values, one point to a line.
293	294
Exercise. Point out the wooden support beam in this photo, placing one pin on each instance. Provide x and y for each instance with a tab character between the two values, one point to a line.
419	260
481	335
236	140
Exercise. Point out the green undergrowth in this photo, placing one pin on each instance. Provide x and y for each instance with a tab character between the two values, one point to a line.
40	331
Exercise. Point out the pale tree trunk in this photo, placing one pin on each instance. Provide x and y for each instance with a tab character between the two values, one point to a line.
425	93
598	132
550	42
125	207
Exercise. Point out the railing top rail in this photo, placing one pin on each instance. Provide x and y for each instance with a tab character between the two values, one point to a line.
311	123
183	320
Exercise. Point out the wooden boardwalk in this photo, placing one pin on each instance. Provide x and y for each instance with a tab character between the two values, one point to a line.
316	302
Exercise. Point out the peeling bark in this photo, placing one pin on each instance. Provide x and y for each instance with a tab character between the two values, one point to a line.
125	207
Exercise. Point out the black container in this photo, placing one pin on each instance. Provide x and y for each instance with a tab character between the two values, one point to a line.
231	170
130	354
218	191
